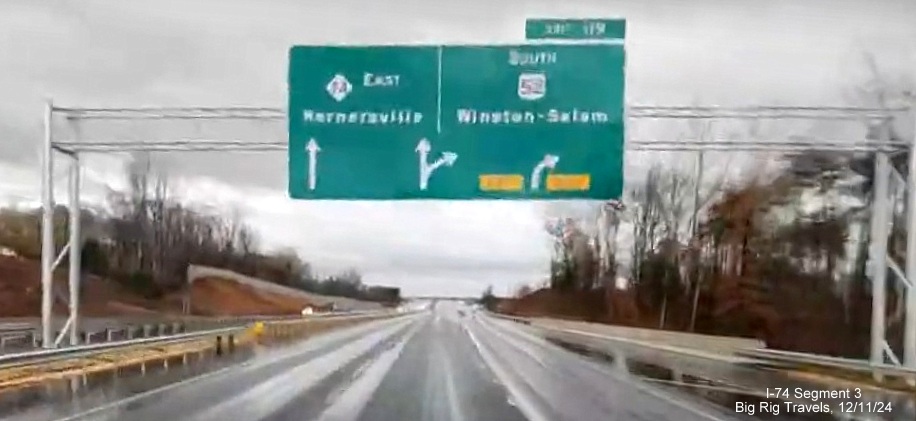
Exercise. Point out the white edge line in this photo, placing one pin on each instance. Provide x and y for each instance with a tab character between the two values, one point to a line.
525	405
139	396
125	401
515	342
344	407
655	392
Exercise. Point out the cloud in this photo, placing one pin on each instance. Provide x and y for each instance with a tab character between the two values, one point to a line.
233	52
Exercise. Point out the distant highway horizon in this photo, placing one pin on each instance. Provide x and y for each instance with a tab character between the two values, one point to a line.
441	298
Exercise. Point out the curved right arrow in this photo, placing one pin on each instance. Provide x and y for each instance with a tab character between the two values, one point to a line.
549	161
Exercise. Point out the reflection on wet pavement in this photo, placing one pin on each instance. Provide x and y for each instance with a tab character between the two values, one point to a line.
892	406
84	392
466	365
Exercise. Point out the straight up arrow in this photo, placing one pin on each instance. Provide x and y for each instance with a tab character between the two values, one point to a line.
313	149
423	148
549	161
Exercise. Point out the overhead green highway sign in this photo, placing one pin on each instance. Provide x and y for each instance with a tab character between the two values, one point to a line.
456	122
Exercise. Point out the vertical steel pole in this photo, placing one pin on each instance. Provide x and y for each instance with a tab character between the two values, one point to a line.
75	249
877	254
694	223
186	304
47	230
909	329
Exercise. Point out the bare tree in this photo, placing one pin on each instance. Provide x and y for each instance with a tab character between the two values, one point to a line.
703	193
661	206
522	291
247	245
647	217
609	217
582	256
138	176
159	229
561	276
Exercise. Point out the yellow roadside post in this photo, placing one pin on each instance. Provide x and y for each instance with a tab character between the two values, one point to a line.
257	331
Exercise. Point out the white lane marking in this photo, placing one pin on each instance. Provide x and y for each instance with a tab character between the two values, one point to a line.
429	394
338	391
521	399
269	396
527	350
454	409
274	356
351	402
309	345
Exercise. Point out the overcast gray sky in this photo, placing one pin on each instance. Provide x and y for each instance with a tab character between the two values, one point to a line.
233	52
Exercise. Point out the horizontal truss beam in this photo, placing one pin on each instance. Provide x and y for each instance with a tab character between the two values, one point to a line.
636	145
632	112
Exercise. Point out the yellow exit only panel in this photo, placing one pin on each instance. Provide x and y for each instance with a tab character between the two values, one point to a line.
568	182
501	182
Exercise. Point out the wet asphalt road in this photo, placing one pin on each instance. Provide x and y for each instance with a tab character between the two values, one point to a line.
447	363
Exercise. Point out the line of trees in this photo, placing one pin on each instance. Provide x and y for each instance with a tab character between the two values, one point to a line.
146	238
781	255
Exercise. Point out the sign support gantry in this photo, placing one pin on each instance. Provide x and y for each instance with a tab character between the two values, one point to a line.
881	207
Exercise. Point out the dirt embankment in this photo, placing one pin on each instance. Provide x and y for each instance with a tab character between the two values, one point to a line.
20	288
20	293
222	297
614	307
20	296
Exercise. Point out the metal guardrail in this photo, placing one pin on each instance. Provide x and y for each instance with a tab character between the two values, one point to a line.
27	335
516	319
798	359
242	324
17	332
50	355
774	358
30	337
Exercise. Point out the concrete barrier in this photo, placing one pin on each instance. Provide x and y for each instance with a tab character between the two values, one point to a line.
725	345
341	303
267	332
